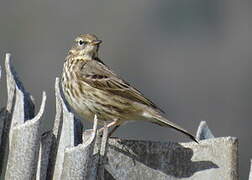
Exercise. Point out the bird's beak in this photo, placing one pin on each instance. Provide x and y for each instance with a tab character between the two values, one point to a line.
97	42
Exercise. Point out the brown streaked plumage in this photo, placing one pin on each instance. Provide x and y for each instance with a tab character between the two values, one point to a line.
92	88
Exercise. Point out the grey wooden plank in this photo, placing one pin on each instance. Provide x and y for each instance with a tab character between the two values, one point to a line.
78	160
65	133
144	160
1	116
44	155
19	108
23	155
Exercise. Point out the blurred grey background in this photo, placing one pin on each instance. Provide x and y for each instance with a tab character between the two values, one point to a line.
191	57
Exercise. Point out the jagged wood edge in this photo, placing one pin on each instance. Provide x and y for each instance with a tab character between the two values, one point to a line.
250	173
24	152
1	117
21	105
78	160
63	132
55	132
203	131
8	115
13	82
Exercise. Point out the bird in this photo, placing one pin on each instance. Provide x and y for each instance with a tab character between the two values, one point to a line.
91	88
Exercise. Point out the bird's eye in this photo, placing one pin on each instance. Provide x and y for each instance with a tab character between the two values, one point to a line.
81	42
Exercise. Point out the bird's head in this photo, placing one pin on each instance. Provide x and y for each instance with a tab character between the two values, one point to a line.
86	45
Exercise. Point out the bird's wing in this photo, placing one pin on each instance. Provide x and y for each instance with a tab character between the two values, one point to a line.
99	76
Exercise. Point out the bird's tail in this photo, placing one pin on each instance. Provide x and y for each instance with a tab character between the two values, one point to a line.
164	122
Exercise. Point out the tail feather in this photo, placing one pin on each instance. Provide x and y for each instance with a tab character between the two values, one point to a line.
164	122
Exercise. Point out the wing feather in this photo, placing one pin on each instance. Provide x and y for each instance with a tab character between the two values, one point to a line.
99	76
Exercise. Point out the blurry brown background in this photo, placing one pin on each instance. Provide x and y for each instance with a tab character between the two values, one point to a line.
191	57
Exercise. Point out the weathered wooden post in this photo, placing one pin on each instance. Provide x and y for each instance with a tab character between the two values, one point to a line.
75	158
21	138
66	152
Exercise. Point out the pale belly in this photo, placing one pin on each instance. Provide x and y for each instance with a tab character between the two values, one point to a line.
83	106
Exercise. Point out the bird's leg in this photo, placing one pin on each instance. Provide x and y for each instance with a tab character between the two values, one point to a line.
113	130
112	124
